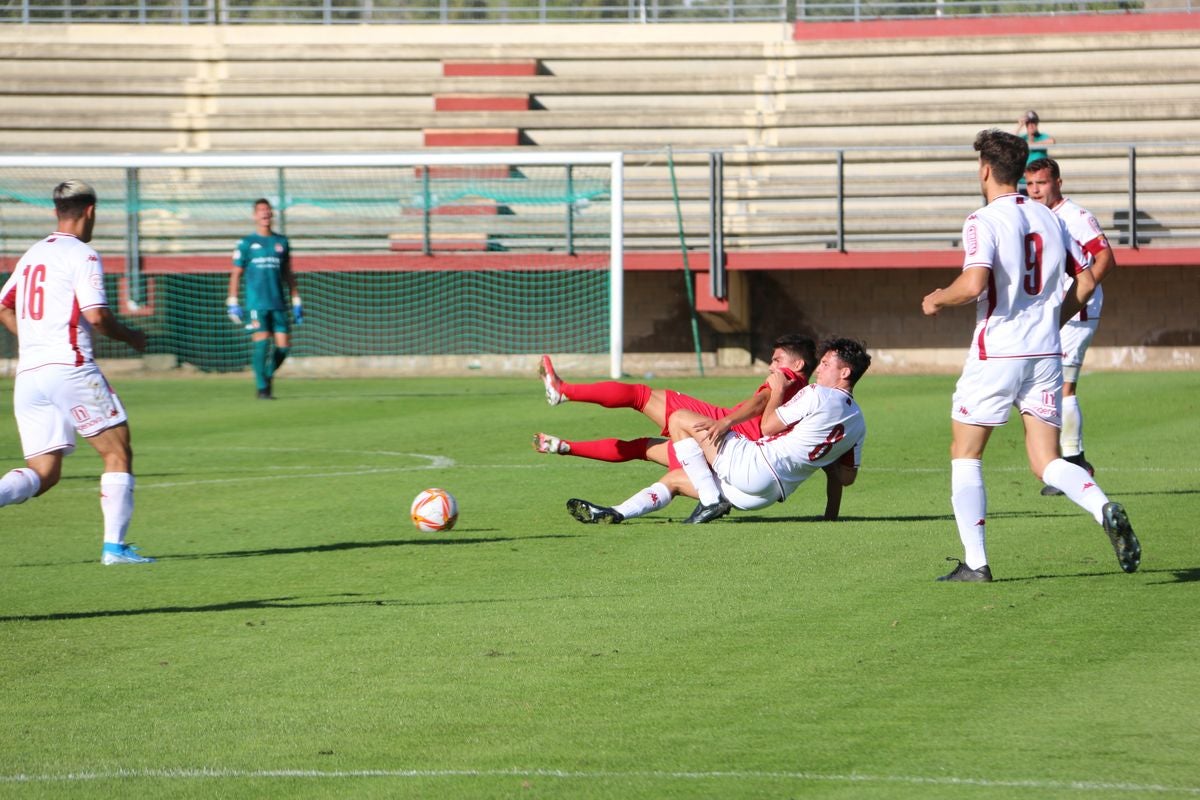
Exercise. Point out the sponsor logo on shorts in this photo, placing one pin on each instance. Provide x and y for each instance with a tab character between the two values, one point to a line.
80	414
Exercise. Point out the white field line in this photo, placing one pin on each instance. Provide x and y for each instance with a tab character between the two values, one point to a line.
601	775
432	462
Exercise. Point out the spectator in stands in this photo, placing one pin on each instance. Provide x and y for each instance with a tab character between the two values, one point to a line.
1037	141
265	258
1045	186
52	302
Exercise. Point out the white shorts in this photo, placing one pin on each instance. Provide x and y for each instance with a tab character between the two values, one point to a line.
743	474
988	389
1076	337
54	402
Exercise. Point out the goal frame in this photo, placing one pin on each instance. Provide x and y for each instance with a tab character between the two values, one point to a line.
613	159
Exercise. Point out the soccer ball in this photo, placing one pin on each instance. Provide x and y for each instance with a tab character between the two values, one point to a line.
434	510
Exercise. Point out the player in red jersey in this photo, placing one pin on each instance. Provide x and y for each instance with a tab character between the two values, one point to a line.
793	355
819	427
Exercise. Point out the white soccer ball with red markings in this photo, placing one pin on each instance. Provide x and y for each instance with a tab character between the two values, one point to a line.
434	510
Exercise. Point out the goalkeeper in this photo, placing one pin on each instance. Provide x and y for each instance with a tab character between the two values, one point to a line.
265	259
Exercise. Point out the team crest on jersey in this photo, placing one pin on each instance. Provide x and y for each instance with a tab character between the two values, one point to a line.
97	281
278	248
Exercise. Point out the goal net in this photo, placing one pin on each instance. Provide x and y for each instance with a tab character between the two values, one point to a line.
406	262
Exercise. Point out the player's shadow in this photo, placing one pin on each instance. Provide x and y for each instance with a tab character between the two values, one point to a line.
334	547
331	547
264	604
739	516
1179	575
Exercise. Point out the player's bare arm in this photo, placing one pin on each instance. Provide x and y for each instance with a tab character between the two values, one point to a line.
8	318
771	423
1102	262
1081	291
750	408
104	321
833	494
966	288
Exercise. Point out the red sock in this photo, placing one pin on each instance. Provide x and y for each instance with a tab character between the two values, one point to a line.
614	450
610	394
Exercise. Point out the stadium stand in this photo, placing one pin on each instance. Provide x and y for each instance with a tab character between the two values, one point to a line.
693	88
212	95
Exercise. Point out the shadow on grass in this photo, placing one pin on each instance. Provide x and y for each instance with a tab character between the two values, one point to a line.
331	547
738	516
1120	495
263	604
1179	575
334	547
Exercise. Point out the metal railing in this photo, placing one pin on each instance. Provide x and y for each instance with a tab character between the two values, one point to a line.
330	12
749	201
326	12
896	199
857	10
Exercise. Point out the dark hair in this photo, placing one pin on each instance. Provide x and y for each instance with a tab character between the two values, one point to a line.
72	197
801	347
852	353
1004	152
261	201
1040	164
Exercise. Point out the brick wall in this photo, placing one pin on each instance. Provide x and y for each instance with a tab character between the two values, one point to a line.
1153	308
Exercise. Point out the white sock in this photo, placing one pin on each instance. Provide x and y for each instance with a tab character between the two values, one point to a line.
18	486
1071	437
652	498
1076	484
116	503
969	499
692	458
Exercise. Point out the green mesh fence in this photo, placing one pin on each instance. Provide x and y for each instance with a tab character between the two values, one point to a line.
391	261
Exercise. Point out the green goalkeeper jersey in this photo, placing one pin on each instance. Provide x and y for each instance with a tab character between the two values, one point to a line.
265	261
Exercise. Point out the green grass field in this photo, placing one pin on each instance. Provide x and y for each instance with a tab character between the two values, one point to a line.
298	638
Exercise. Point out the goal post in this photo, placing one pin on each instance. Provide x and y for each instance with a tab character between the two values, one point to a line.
436	259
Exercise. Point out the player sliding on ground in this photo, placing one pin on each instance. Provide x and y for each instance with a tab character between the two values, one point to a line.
820	426
793	354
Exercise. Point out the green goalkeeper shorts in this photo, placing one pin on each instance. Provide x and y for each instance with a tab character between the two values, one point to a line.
269	320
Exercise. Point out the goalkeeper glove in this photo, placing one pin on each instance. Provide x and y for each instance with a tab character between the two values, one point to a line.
297	310
233	310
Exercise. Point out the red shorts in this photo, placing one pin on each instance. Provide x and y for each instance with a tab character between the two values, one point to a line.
751	428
